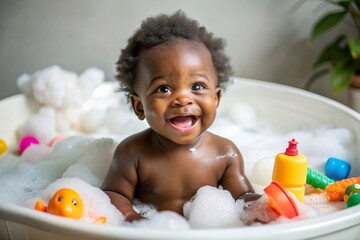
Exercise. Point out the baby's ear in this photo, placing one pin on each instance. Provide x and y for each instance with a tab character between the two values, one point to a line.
137	106
218	94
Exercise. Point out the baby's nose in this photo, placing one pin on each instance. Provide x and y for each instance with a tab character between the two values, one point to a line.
183	100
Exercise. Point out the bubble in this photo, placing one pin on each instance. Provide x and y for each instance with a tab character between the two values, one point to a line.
212	208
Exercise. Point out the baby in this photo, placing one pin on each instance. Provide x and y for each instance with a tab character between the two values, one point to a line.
173	72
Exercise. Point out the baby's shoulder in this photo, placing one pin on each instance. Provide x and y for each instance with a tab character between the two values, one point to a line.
225	148
135	142
220	142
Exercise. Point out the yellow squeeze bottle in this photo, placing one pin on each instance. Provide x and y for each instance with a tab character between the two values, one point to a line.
290	170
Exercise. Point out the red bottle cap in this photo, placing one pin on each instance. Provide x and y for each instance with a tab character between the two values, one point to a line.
292	149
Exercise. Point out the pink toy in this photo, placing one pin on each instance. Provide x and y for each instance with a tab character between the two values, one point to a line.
26	141
55	139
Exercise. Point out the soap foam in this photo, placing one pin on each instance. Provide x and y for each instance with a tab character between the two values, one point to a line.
22	180
162	220
211	208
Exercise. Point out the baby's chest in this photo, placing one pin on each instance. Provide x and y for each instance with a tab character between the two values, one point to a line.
181	177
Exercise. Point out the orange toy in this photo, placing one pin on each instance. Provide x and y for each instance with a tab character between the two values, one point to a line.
281	201
336	190
65	203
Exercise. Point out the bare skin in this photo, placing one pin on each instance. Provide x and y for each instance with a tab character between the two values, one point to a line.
177	93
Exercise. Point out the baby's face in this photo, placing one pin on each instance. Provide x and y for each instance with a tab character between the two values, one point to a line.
177	90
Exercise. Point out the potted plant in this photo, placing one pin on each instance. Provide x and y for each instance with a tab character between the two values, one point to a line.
340	60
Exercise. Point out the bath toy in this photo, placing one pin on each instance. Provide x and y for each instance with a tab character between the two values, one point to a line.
290	170
281	200
317	179
336	190
3	146
55	139
65	203
350	190
353	200
26	141
337	169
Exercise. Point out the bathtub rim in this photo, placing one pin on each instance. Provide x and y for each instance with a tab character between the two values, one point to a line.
324	225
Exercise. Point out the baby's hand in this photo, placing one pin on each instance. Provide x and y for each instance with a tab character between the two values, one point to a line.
134	216
257	211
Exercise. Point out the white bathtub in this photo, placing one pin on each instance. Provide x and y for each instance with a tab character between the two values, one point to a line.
286	108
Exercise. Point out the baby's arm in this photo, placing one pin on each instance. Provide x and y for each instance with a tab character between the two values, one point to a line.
120	182
234	179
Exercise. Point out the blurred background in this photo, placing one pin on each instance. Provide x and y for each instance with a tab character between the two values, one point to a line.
266	39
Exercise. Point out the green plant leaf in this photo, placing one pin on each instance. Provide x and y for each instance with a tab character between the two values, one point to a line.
330	52
341	74
344	3
315	77
354	46
357	3
326	23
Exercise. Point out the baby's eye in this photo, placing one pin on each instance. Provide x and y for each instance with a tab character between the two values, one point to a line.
197	87
163	89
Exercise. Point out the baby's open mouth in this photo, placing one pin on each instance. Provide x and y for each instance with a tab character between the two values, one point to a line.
183	123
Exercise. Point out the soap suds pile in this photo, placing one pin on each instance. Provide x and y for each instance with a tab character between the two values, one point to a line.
92	120
74	157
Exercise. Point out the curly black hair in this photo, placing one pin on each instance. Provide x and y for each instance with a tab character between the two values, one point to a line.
163	28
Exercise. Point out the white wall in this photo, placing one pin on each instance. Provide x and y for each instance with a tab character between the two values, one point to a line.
266	38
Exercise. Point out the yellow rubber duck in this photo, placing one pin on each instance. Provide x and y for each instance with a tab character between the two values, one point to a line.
65	203
3	146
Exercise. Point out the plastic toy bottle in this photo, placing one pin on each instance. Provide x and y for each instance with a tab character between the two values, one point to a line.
290	170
